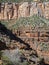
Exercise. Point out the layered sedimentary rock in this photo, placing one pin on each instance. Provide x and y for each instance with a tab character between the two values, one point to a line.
25	9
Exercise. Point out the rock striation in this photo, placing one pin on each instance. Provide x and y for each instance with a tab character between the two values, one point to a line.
25	9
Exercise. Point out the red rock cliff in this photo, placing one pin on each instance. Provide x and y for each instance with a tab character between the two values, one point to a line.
25	9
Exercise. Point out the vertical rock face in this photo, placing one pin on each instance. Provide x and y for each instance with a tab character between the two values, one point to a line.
33	9
5	11
9	11
46	10
15	11
25	9
40	9
2	11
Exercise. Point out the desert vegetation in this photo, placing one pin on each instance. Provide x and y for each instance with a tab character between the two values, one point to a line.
18	1
18	51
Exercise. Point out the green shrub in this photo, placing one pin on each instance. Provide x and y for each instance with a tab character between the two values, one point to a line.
6	61
15	0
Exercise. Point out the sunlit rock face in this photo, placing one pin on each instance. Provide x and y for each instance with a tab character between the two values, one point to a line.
15	10
40	7
33	9
2	10
5	11
25	9
9	10
46	10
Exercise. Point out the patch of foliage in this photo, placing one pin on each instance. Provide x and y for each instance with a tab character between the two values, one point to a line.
15	1
33	21
13	58
18	1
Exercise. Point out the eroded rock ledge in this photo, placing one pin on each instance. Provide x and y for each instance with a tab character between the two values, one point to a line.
25	9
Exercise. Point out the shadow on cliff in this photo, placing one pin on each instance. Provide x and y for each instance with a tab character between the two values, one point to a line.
7	32
3	45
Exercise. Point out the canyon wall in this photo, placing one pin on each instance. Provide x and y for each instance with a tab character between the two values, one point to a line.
25	9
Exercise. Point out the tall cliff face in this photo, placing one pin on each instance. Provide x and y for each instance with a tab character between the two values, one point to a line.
25	9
